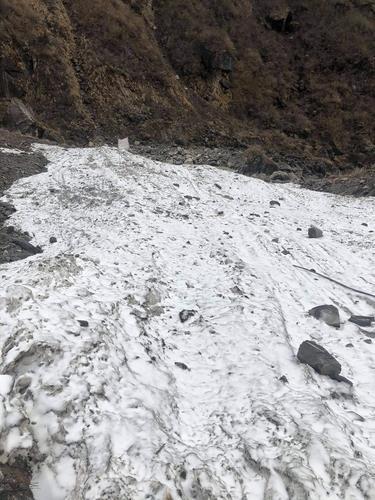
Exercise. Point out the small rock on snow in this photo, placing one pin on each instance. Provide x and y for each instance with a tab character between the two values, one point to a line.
181	365
186	314
315	232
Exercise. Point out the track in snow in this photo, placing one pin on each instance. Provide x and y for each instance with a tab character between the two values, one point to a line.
105	411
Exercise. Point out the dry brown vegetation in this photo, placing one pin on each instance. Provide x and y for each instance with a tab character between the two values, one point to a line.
295	77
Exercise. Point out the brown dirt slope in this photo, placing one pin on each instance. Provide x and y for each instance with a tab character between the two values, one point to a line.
296	76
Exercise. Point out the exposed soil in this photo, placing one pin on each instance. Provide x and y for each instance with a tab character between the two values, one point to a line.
296	77
318	175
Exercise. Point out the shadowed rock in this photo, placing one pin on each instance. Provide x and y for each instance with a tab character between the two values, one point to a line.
362	320
315	232
183	366
320	360
186	314
327	313
28	247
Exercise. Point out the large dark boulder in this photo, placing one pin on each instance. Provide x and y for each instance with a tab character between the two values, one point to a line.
320	360
327	313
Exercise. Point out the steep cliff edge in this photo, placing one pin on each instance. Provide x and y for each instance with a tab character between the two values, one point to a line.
295	77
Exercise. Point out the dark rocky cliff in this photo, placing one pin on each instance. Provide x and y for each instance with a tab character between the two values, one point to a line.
296	77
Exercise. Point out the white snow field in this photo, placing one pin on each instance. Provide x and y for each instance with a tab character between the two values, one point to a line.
104	411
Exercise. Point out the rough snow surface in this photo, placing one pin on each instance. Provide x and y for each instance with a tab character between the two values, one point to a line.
141	405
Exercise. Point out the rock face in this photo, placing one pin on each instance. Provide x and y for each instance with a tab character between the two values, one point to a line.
15	115
226	72
327	313
320	360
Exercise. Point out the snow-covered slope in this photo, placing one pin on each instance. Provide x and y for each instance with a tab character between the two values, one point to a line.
137	404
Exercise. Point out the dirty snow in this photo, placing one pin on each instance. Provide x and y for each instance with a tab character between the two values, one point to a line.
11	151
138	404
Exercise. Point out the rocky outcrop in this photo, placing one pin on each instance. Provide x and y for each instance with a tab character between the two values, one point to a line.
15	115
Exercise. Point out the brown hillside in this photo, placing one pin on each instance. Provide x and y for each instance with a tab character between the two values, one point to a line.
297	77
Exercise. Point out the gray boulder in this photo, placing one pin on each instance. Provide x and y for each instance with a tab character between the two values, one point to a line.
362	320
327	313
186	314
315	232
314	355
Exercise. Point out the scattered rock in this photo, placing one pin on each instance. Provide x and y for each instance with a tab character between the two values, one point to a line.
53	239
186	314
320	360
362	320
274	203
315	232
349	345
83	323
284	379
181	365
368	341
327	313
